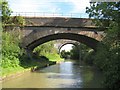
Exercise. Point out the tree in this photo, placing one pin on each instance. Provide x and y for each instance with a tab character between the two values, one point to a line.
6	12
107	55
65	54
102	11
18	20
6	16
74	53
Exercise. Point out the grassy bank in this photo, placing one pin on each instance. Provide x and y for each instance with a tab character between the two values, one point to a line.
54	57
16	71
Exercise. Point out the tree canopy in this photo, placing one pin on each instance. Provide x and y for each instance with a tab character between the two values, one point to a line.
107	14
104	10
6	12
7	19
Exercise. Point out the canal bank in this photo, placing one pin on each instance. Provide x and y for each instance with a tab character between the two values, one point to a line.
63	75
22	72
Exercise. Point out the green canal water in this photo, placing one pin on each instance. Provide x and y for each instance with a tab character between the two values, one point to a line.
68	74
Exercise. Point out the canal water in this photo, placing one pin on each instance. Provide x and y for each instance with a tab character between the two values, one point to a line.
68	74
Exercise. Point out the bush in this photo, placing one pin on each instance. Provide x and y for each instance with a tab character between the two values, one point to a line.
89	57
18	20
107	58
10	51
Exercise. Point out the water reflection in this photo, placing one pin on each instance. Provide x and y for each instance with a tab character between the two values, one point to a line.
66	67
65	75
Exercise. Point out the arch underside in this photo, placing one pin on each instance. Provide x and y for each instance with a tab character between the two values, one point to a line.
92	43
75	44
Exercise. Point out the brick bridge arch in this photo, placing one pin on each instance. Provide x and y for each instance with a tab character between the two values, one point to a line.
75	43
91	42
40	30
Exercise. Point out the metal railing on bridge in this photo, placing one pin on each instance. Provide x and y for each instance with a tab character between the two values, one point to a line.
47	14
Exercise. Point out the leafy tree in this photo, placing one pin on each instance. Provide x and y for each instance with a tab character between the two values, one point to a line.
106	56
6	16
104	12
65	54
6	12
74	53
10	53
81	50
18	20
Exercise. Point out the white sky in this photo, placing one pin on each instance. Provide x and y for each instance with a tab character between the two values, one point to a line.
50	6
67	47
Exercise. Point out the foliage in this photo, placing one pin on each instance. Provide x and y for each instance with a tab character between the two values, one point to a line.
6	12
54	57
75	53
107	55
89	57
85	51
45	48
18	20
14	59
107	59
104	12
66	55
7	19
48	50
80	49
11	54
10	51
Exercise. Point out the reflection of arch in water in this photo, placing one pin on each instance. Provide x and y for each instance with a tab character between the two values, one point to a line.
90	42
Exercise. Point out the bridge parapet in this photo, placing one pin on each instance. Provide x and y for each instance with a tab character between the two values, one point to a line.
59	22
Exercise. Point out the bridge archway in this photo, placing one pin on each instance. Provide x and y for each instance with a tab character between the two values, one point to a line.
92	43
74	44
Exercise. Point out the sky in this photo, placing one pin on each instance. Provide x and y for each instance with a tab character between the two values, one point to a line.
49	6
67	47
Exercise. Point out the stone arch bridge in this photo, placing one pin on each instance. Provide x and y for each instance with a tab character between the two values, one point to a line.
39	30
